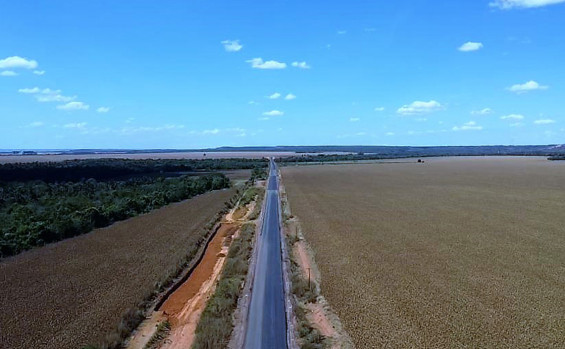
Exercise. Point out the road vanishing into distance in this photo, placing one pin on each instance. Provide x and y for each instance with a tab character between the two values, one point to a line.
266	325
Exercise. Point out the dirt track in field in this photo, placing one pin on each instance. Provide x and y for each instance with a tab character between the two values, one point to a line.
456	252
72	293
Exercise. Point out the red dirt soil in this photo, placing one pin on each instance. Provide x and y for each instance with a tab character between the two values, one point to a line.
175	305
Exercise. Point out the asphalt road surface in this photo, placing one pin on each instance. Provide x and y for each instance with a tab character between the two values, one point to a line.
266	326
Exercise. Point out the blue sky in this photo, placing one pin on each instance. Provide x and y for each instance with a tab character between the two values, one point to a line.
192	74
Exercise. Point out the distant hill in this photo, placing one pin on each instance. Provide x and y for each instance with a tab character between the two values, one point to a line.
388	151
544	150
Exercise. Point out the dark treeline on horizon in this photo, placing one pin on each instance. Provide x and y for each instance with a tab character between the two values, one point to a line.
106	169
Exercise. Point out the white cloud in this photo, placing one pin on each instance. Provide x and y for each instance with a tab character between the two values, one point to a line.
527	86
46	94
516	124
103	109
379	109
77	125
512	117
29	90
275	95
484	111
39	72
232	45
128	130
73	106
354	119
36	124
124	131
258	63
341	32
544	122
273	113
390	133
290	97
237	132
468	126
301	65
470	46
350	135
8	73
509	4
17	62
419	107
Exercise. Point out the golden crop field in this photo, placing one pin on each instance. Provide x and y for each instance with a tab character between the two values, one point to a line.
74	292
452	253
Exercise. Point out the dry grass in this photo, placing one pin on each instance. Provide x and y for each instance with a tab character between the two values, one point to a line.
452	253
73	293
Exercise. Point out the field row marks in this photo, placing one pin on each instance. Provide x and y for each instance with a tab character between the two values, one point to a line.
319	314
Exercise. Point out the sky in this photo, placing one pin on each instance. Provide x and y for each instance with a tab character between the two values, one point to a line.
196	74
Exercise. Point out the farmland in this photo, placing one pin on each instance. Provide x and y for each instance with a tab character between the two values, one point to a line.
72	293
7	159
455	252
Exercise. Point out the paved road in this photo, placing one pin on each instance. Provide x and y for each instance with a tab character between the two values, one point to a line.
266	326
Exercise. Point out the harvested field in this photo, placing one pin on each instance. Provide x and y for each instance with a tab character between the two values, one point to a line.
74	292
6	159
456	252
238	175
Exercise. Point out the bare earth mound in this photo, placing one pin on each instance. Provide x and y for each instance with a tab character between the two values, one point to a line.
460	252
72	293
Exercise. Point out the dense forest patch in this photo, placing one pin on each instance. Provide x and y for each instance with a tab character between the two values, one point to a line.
106	169
42	203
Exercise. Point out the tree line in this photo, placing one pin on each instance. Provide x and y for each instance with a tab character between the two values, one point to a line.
105	169
40	204
371	156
